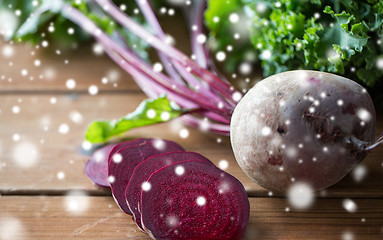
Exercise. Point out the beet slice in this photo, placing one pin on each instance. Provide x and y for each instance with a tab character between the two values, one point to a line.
123	162
143	171
133	142
96	168
194	200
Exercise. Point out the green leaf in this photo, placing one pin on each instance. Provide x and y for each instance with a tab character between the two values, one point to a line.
150	111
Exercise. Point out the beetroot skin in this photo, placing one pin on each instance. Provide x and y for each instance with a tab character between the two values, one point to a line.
304	126
194	200
123	162
96	168
172	194
143	171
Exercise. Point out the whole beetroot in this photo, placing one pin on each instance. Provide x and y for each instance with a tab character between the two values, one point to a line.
306	126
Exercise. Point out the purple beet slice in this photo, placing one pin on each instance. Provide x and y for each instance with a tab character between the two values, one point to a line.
143	171
194	200
96	168
133	142
123	162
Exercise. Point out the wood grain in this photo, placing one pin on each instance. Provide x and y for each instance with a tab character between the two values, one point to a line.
51	75
40	168
38	123
43	217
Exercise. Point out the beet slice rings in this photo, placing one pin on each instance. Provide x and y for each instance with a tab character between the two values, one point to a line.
171	193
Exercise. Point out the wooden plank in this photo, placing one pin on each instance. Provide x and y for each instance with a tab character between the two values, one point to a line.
83	66
80	63
36	127
38	122
42	217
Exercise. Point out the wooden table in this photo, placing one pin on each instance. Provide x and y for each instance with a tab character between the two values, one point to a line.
46	195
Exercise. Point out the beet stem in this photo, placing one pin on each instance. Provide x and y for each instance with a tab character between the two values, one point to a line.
152	20
363	145
137	64
214	81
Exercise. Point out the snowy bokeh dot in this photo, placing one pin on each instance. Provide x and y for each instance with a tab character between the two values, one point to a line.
49	73
151	113
44	44
266	54
53	100
97	49
201	38
287	209
146	186
63	128
51	28
24	72
379	63
123	7
7	51
171	221
234	18
104	80
11	228
93	90
201	201
159	144
204	125
157	67
261	7
364	115
70	31
237	96
223	164
165	116
300	195
60	175
111	179
70	83
220	56
347	235
25	154
117	158
170	40
266	131
16	109
349	205
184	133
76	202
16	137
171	12
180	170
76	117
245	68
86	145
37	63
359	173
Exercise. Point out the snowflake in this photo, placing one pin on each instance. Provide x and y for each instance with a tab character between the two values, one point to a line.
300	195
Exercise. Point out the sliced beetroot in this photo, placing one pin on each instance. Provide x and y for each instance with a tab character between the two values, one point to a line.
123	162
194	200
96	168
143	171
133	142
